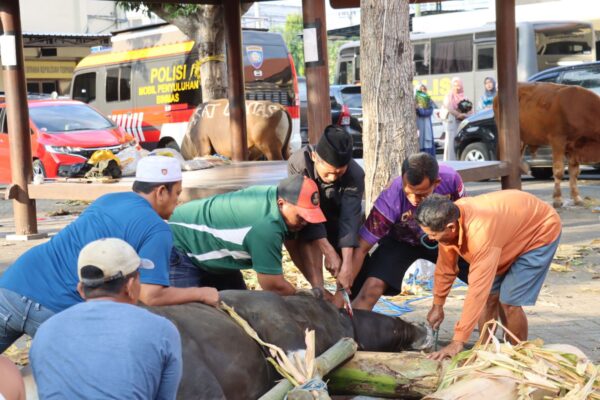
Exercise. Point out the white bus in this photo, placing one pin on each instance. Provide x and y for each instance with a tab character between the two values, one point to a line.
471	55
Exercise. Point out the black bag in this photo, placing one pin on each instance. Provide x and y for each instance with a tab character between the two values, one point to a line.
74	170
464	106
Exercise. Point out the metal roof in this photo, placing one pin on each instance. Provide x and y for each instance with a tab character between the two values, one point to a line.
65	39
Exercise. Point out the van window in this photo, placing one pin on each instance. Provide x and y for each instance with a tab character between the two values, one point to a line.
485	58
118	84
421	59
112	84
453	54
84	87
3	121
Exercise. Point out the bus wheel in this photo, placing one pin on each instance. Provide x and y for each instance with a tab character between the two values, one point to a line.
38	169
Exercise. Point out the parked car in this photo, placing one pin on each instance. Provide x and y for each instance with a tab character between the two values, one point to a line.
346	111
63	132
476	138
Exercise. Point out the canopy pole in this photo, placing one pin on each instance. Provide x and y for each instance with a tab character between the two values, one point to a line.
18	122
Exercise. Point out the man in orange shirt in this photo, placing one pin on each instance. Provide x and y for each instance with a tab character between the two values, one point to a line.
509	239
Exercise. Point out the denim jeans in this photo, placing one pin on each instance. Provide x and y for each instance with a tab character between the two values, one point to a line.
19	315
184	273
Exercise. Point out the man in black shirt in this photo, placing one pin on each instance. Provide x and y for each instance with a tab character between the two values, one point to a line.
341	187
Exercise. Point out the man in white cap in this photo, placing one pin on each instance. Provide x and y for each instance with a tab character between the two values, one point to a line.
43	281
107	347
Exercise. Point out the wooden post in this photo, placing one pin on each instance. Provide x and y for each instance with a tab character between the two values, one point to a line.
18	120
316	67
509	139
235	78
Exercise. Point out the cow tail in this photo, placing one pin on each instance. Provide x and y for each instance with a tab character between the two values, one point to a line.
285	150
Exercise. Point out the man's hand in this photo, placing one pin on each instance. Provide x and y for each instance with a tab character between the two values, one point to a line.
449	351
210	296
435	316
345	276
333	261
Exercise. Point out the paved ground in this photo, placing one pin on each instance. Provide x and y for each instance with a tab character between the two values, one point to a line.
566	312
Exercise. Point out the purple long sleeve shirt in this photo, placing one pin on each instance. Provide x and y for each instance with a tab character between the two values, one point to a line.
392	213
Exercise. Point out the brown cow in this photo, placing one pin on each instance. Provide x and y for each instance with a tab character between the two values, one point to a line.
564	117
269	127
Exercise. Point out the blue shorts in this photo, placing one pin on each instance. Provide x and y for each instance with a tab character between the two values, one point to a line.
521	285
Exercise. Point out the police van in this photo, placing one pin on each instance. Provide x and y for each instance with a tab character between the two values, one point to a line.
148	82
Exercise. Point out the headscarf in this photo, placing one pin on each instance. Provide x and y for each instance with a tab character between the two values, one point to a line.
452	99
490	93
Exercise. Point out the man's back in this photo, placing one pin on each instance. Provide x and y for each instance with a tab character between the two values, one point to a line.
236	230
107	350
48	273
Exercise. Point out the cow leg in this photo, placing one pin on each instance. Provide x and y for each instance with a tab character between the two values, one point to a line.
205	146
573	174
558	167
272	150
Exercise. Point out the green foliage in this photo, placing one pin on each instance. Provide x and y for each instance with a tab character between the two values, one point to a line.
291	32
173	10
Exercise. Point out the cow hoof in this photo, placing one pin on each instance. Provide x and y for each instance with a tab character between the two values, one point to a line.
557	203
578	202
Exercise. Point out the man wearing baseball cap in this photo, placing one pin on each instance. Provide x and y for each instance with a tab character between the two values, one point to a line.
341	187
43	281
216	237
107	347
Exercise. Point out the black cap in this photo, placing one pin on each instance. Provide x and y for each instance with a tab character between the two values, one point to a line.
335	146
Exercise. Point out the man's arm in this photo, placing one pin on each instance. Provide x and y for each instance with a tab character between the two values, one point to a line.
157	295
351	268
173	367
275	283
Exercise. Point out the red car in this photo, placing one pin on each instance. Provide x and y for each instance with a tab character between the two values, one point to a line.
63	132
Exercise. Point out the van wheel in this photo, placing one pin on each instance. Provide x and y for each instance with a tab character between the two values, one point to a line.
542	173
475	152
38	169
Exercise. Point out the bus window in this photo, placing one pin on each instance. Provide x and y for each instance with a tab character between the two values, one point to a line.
84	87
345	72
420	59
553	39
453	54
485	58
357	67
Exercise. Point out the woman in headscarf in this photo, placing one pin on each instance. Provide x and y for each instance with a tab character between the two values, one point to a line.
487	99
424	126
453	116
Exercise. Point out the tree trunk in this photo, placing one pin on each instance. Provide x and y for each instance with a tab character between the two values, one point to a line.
389	125
395	375
206	27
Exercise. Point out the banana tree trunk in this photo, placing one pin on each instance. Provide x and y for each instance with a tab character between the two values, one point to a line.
388	375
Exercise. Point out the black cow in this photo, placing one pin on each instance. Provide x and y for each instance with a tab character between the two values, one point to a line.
221	361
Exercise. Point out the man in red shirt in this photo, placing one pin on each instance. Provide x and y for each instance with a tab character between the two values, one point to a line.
509	239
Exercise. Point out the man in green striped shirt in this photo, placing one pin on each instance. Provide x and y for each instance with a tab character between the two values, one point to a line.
216	237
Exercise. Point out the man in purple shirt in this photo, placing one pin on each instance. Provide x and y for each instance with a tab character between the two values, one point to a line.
391	226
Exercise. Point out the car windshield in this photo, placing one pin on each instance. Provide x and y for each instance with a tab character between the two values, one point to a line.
587	78
55	118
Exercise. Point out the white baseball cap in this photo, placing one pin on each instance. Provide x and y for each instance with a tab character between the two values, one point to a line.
158	169
114	257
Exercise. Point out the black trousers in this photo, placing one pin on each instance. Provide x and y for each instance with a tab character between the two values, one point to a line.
391	260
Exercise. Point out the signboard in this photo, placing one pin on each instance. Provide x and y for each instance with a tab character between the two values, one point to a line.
49	69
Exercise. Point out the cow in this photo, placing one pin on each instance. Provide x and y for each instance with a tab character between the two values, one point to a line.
563	117
221	361
269	128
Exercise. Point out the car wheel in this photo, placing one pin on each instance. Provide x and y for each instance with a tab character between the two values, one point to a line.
38	169
542	173
475	152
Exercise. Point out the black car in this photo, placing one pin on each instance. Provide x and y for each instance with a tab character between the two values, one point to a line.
476	136
346	111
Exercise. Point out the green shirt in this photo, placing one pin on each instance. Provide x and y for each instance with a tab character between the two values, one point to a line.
232	231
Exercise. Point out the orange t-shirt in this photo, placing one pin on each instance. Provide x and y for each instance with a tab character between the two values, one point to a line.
494	230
